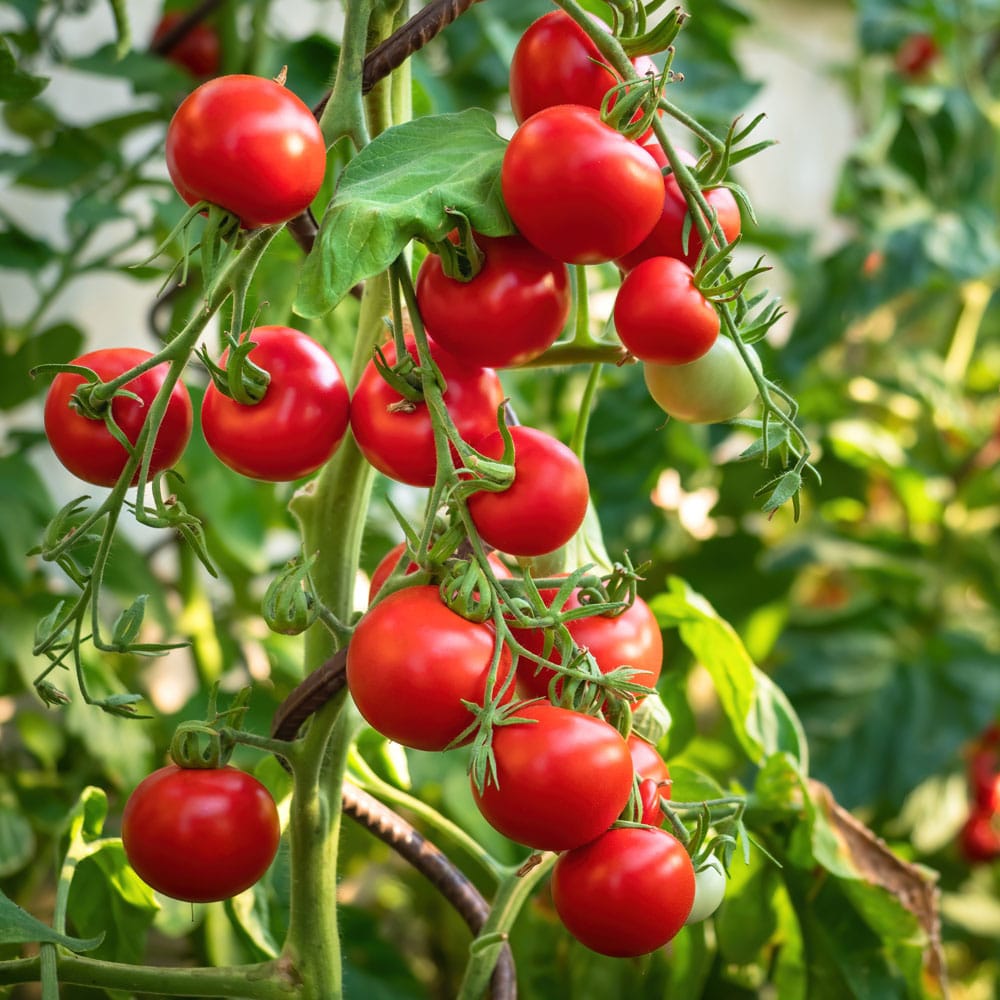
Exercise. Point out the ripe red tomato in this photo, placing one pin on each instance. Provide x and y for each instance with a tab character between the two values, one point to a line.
509	313
979	839
667	236
660	314
545	504
626	893
197	51
555	62
648	763
86	447
300	421
715	388
391	559
248	144
200	834
398	439
411	663
577	189
631	639
561	780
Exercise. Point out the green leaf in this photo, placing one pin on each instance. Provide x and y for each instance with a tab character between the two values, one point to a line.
21	251
19	927
60	342
408	183
26	506
17	841
16	84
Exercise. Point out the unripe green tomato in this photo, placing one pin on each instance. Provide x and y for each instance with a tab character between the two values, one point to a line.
709	888
716	387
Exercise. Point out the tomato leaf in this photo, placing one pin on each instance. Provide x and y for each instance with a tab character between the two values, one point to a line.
15	83
17	926
405	184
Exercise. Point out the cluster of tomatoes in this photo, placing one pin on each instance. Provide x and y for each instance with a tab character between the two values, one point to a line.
979	839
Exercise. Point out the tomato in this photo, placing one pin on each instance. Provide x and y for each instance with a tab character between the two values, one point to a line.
577	189
397	438
709	890
984	781
411	663
390	560
916	54
86	446
509	313
300	421
560	780
716	387
197	51
667	236
545	504
555	62
979	839
200	834
248	144
660	314
631	639
626	893
648	763
651	812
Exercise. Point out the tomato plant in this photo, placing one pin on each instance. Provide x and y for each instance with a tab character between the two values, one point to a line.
197	51
86	446
660	314
626	893
249	145
388	563
200	834
577	189
412	664
544	505
396	435
507	315
297	425
716	387
561	778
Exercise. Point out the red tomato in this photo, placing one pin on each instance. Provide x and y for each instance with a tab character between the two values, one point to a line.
411	663
391	559
631	639
667	236
248	144
86	447
197	50
577	189
555	62
545	504
716	387
915	55
200	834
979	839
649	797
509	313
398	439
660	314
984	781
626	893
560	780
648	763
300	421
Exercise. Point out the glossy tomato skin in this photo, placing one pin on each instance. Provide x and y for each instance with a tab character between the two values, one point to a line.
555	62
390	560
577	189
200	834
716	387
667	236
197	51
562	780
626	893
248	144
508	314
412	661
544	505
648	763
660	314
632	639
86	447
651	812
399	441
300	421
